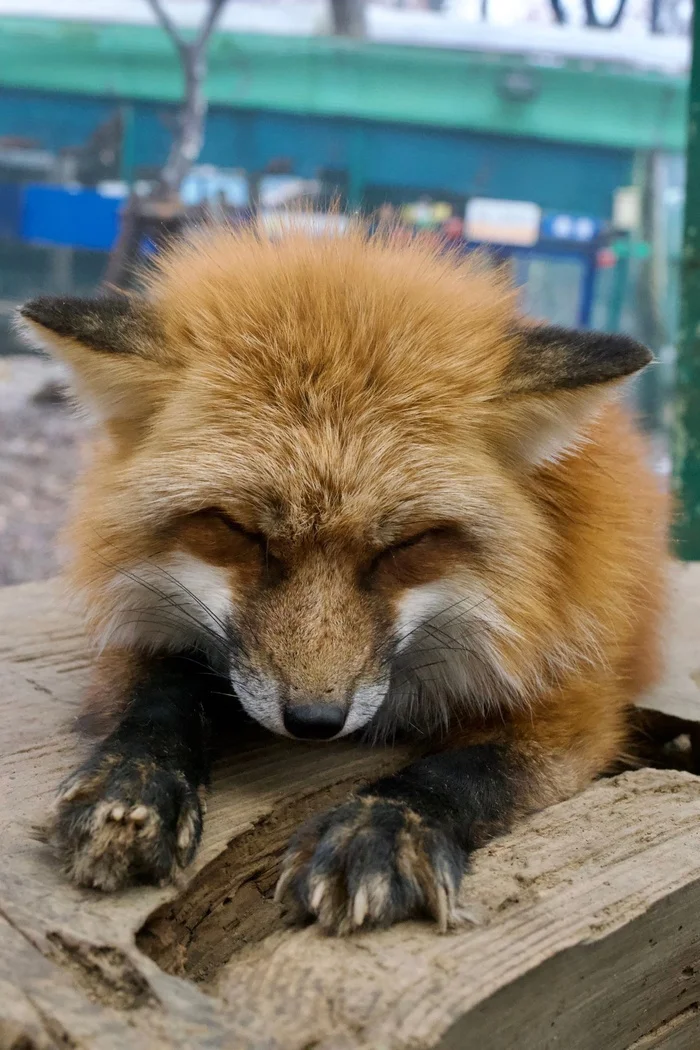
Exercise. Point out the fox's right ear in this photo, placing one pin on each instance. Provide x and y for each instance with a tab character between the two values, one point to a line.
110	345
557	380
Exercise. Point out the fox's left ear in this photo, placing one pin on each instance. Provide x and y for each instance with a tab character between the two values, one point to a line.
557	379
110	345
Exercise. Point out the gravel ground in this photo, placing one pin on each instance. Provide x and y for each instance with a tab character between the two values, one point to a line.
38	462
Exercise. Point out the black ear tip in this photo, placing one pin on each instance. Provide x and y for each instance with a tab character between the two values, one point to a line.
110	323
34	309
628	350
47	310
553	358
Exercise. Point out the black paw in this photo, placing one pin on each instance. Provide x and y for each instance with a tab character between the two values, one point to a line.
121	819
371	862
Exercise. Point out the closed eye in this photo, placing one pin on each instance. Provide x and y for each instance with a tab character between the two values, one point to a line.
397	548
235	526
274	568
412	541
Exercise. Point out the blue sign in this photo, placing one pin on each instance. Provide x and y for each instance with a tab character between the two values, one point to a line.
75	218
560	226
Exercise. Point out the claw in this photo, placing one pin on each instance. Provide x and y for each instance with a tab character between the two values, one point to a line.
184	837
69	794
360	906
317	895
442	909
282	883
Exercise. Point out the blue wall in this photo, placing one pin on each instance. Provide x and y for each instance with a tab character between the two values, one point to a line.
560	177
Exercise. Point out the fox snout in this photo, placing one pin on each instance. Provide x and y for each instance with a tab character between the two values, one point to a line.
308	658
315	720
302	711
306	710
315	714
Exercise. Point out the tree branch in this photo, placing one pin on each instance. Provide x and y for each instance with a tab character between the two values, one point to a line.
215	9
188	141
166	22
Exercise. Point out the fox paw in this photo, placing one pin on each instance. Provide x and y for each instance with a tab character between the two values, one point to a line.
120	819
370	863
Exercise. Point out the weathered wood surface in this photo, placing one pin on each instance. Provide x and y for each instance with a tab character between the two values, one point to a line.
679	693
585	931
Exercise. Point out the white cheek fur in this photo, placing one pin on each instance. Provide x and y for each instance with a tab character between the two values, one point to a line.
417	607
168	602
259	697
447	656
365	704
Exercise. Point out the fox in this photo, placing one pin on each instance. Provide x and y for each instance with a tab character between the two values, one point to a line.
345	475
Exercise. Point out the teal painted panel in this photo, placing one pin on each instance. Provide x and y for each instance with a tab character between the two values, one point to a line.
327	77
389	157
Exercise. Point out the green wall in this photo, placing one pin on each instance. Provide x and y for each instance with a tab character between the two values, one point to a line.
323	77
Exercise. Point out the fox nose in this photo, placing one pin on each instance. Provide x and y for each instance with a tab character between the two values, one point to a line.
314	721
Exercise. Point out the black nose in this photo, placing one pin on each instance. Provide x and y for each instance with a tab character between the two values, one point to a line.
314	721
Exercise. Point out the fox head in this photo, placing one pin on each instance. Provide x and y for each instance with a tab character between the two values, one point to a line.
322	460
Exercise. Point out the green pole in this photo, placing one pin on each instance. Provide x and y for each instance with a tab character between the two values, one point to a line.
686	414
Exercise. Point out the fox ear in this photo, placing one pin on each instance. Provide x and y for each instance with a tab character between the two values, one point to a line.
109	345
557	380
114	324
549	358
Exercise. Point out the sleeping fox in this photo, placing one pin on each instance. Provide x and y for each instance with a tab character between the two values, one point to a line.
344	473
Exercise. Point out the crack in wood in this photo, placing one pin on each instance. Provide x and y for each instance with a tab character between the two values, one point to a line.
681	1022
228	906
105	971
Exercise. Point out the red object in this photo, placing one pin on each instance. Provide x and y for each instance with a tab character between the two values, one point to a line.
606	259
453	228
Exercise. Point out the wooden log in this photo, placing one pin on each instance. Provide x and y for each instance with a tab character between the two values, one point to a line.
672	708
580	931
678	695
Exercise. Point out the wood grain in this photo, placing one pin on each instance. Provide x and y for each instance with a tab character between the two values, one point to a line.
581	928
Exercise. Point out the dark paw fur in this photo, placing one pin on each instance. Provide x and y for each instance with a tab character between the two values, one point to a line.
371	862
122	819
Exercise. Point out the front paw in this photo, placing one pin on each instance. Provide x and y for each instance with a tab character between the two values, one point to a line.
371	862
121	819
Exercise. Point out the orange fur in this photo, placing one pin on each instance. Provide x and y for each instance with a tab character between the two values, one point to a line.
337	397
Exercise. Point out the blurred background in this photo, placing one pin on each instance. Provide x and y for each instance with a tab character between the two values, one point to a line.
550	133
